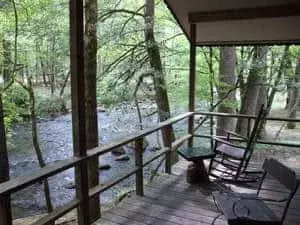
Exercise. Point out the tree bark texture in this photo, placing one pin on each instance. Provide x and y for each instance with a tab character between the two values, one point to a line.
295	97
227	80
90	72
52	67
36	145
160	86
7	61
255	85
289	76
282	69
5	207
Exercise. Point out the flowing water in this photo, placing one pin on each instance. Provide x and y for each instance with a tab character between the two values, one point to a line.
55	137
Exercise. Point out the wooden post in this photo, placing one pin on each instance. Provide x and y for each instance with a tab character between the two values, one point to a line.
139	179
78	109
192	83
5	207
168	165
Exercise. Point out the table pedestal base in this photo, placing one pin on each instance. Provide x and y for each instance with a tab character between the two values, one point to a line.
196	173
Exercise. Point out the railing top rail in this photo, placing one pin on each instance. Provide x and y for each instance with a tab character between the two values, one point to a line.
107	148
21	182
245	116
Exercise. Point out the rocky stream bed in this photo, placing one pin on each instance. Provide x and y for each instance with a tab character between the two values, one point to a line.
55	135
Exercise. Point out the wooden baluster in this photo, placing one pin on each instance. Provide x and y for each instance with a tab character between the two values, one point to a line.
168	165
139	179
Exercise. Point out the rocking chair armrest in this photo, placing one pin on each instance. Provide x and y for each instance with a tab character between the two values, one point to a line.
229	133
226	143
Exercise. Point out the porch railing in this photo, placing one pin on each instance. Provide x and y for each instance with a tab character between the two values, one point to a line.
19	183
249	119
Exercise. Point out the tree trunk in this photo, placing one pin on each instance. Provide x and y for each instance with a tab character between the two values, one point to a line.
245	56
91	11
227	80
5	207
62	90
44	73
282	69
255	83
295	98
289	76
7	61
36	145
160	86
52	67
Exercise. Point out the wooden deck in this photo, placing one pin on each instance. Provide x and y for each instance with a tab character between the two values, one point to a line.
171	201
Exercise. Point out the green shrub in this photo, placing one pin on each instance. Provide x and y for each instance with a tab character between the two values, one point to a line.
110	95
16	104
50	105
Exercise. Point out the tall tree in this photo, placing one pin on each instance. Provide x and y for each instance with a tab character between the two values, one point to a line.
160	86
7	61
35	139
227	80
5	208
255	83
294	97
283	68
90	69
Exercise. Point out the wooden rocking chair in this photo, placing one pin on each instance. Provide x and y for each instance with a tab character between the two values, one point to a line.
231	160
254	209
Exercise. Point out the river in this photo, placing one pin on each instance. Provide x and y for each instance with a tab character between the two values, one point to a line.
55	135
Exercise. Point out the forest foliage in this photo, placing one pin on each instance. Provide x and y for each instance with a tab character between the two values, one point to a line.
135	51
35	45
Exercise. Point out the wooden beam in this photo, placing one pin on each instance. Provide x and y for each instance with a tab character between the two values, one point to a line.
78	109
21	182
192	82
297	120
284	10
57	213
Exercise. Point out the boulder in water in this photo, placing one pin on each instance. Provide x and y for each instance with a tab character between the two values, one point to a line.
100	109
123	158
118	151
70	185
104	167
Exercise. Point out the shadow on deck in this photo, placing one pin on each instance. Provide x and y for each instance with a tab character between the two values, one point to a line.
169	200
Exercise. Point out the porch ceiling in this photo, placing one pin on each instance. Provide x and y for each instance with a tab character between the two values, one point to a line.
236	22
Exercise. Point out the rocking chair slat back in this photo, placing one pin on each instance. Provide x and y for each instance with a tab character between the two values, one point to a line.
256	128
254	134
282	173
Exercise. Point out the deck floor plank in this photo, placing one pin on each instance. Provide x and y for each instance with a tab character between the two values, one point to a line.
169	200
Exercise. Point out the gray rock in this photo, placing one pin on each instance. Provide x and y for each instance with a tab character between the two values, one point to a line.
101	109
155	148
123	158
104	167
118	151
70	185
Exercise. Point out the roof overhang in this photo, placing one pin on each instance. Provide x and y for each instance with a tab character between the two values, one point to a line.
238	22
